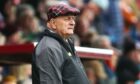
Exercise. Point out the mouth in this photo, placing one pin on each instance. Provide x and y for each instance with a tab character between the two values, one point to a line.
71	28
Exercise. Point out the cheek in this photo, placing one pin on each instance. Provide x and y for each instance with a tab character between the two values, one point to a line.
60	27
63	27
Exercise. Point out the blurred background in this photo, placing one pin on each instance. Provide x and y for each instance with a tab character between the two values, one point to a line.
105	24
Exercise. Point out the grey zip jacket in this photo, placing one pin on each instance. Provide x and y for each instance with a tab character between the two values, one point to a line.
55	62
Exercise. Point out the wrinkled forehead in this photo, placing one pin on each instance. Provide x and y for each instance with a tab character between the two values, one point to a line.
67	16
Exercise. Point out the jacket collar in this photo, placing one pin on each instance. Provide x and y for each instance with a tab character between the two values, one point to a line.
69	46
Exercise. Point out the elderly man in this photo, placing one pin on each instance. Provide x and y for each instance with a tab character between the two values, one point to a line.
54	60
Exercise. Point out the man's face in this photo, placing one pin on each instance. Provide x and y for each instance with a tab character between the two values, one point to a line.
64	25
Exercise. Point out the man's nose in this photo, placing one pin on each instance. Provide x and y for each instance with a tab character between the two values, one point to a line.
72	22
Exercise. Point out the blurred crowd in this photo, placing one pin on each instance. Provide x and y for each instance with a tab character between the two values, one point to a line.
106	24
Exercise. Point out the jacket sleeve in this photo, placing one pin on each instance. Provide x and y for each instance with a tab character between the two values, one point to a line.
49	63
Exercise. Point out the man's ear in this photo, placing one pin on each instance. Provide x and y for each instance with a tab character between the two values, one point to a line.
51	24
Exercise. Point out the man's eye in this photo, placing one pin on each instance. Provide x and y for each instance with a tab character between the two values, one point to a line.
70	18
66	19
74	18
